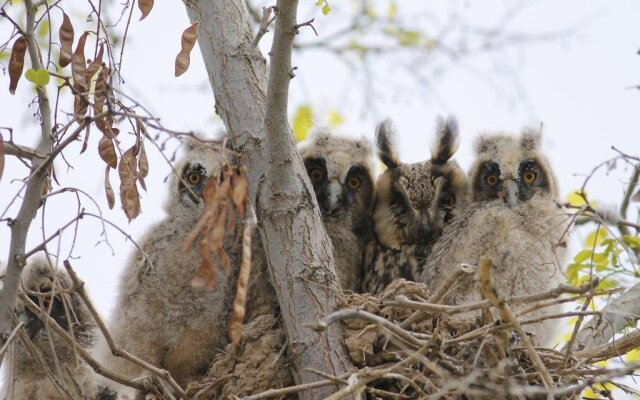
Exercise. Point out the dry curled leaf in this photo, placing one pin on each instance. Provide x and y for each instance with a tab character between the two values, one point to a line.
636	197
145	7
16	62
129	195
240	301
85	143
111	197
189	37
66	41
107	151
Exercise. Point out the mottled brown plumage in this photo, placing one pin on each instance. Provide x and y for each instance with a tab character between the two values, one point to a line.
413	203
341	170
514	219
25	377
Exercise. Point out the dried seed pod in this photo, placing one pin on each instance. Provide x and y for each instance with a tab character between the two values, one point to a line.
145	7
16	62
189	37
66	41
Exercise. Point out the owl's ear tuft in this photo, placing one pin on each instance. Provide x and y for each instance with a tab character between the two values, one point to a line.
531	139
386	142
447	140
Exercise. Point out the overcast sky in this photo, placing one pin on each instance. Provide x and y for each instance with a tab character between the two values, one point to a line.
580	86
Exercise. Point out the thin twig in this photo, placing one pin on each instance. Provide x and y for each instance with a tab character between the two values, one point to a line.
490	292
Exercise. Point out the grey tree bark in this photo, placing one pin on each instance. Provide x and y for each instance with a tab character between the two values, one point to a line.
255	114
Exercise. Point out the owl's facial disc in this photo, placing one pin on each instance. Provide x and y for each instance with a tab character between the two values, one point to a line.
511	187
192	182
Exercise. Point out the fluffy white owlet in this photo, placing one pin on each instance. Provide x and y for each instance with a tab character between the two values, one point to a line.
514	219
159	316
341	170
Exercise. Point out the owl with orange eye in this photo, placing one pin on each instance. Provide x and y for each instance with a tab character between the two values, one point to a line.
342	170
514	218
413	204
159	315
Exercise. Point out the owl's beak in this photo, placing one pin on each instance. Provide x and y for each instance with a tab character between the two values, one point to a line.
509	192
334	196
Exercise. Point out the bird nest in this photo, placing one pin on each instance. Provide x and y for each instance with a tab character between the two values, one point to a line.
403	344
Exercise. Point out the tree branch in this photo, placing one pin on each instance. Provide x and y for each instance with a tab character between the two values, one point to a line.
616	315
297	248
29	207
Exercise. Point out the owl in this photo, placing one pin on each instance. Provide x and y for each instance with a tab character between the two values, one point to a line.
25	377
413	204
159	316
513	218
341	170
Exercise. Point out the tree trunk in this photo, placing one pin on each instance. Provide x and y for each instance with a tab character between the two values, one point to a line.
296	244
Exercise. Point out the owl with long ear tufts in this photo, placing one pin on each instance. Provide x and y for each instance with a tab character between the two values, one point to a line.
413	204
25	378
342	170
514	218
159	315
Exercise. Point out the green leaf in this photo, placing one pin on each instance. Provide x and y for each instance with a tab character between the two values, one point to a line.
632	241
606	284
335	118
326	9
31	75
572	272
319	3
392	10
596	237
302	121
582	256
42	77
576	198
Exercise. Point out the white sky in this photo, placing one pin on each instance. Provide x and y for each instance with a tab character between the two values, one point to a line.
579	87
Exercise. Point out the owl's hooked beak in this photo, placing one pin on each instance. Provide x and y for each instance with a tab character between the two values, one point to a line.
509	192
334	196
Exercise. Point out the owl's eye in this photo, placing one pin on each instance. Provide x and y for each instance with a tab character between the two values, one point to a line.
447	200
529	177
354	182
491	180
316	174
194	178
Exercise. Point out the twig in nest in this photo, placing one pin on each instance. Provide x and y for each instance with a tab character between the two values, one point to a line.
440	293
490	292
367	316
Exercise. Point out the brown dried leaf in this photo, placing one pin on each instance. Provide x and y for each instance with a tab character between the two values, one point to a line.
107	152
95	64
143	163
100	93
111	197
189	37
240	302
66	41
79	65
129	195
636	197
145	7
1	157
16	62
